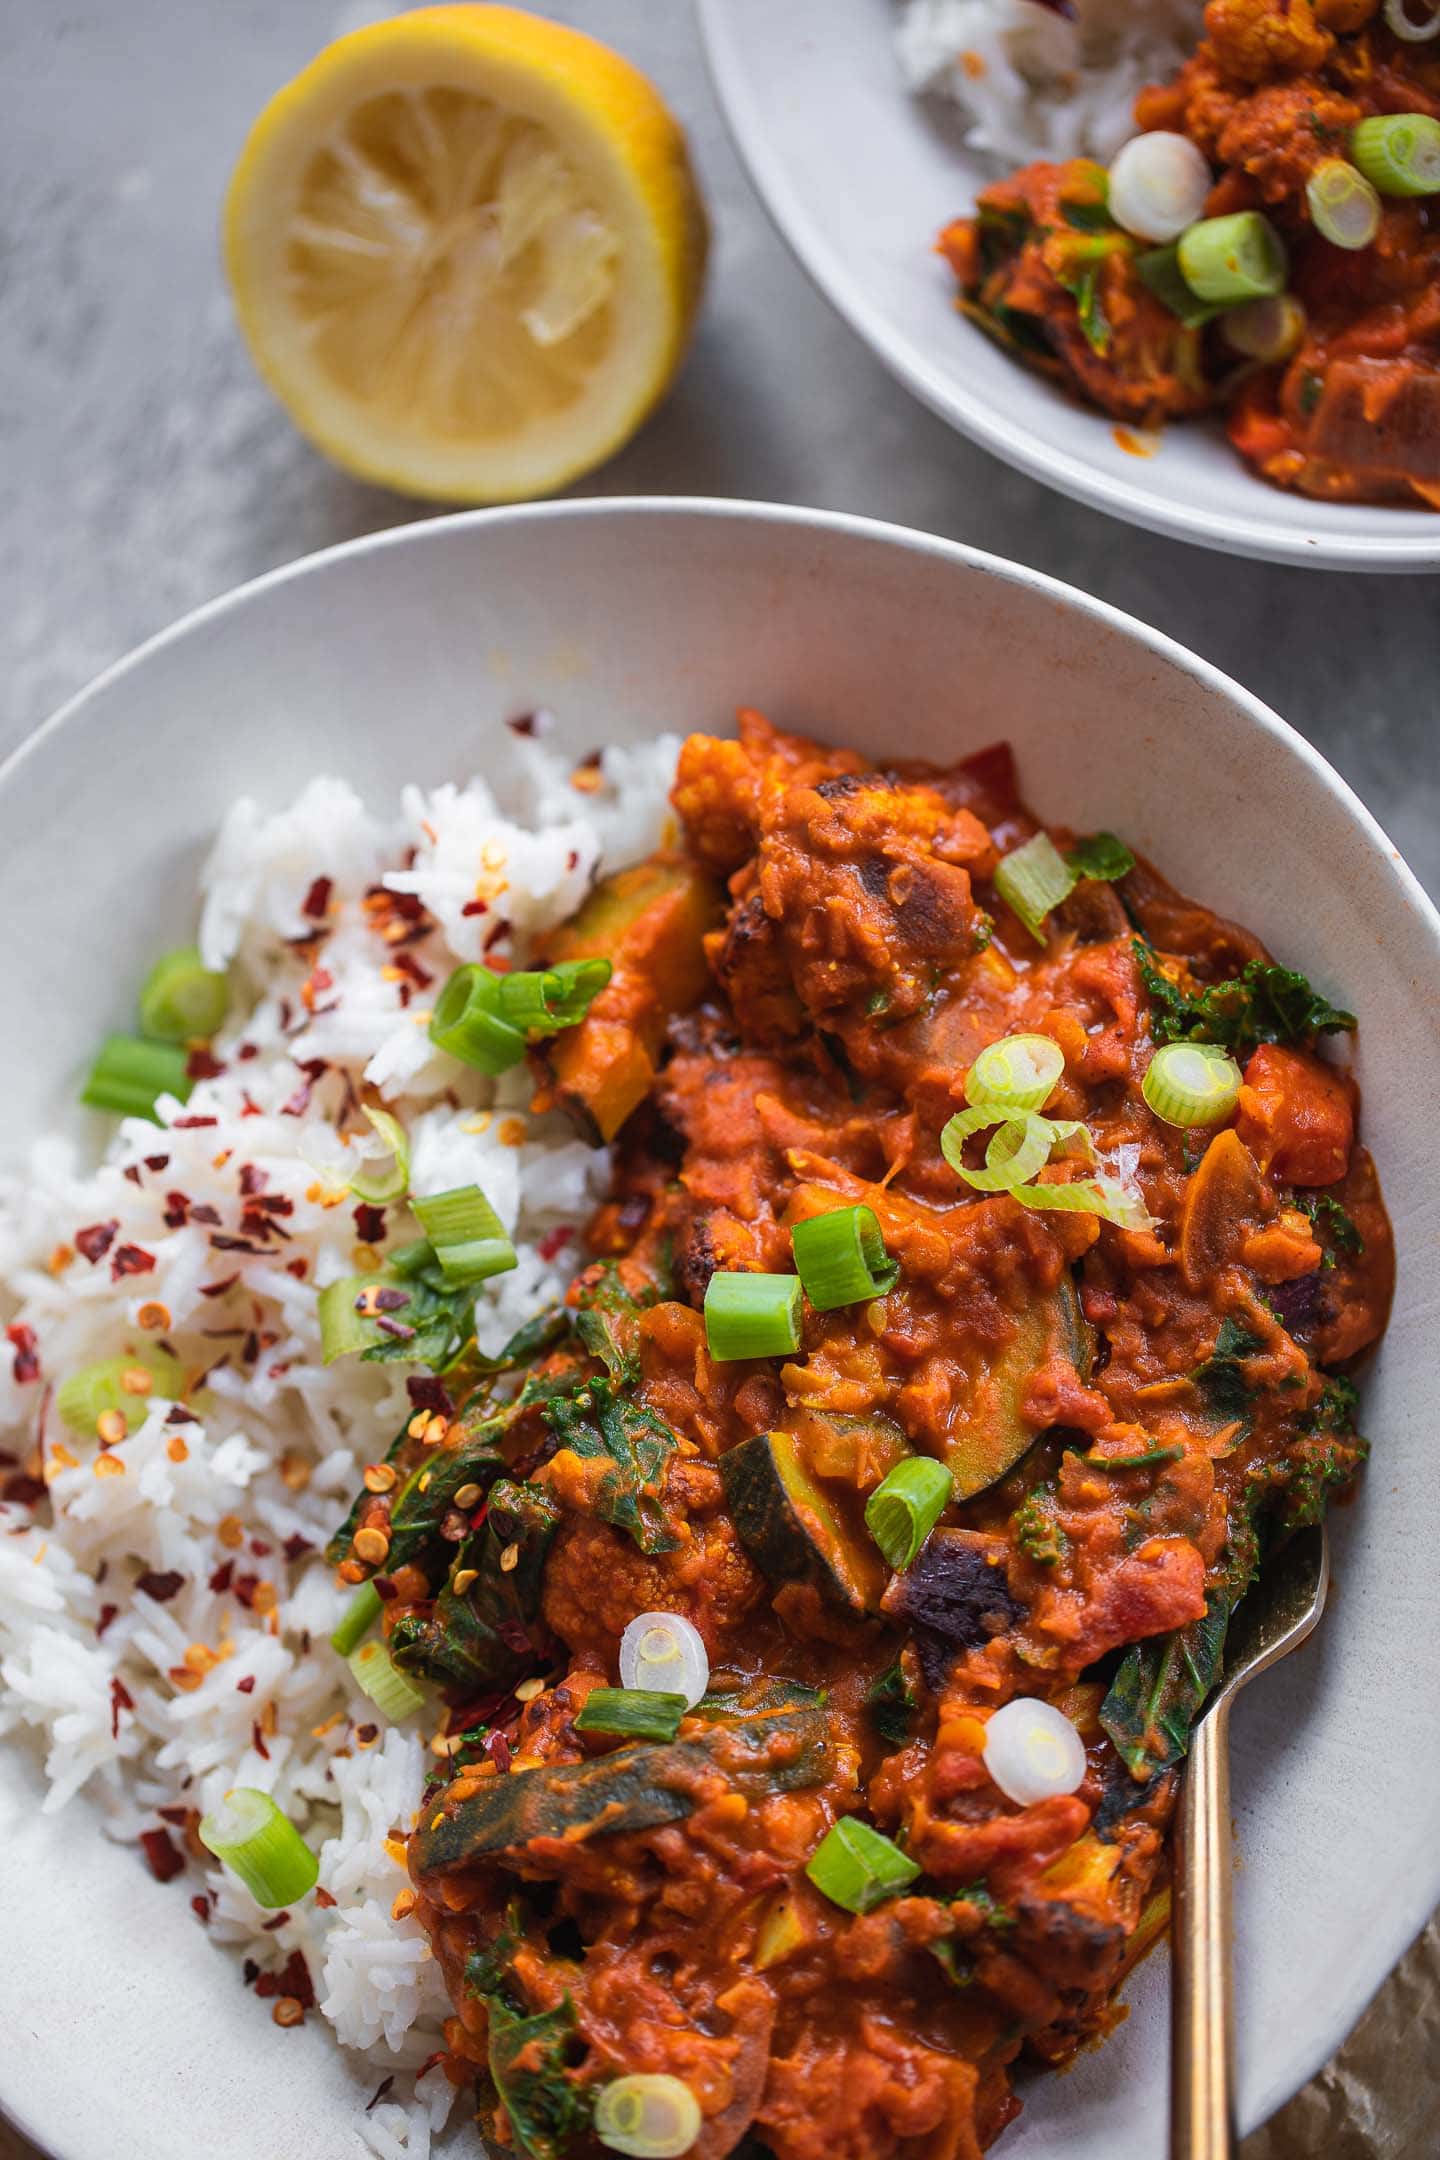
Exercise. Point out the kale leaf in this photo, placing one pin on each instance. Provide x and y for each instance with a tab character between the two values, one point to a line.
1161	1688
477	1638
1102	856
529	2062
597	1426
1332	1224
1221	1376
890	1701
1263	1004
1037	1528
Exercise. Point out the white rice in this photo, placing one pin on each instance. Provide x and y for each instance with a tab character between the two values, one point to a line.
66	1562
1033	83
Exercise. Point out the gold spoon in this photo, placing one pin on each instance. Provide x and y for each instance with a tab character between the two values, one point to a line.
1277	1616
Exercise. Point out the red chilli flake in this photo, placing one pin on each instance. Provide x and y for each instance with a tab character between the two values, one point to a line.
293	1978
202	1214
314	1070
165	1858
22	1490
131	1260
316	903
298	1268
296	1546
381	2089
161	1587
26	1364
324	1900
200	1906
132	1172
428	1393
203	1065
253	1179
107	1615
476	907
257	1741
554	1242
272	1927
177	1414
369	1223
157	1162
179	1816
246	1686
177	1210
497	1747
95	1240
218	1289
494	934
190	1124
220	1580
120	1699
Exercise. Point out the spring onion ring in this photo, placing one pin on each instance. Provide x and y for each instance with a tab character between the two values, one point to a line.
1032	880
256	1842
130	1075
858	1868
649	2115
381	1186
182	1000
359	1616
1020	1148
1405	26
632	1713
1344	205
393	1693
1269	329
1240	257
905	1507
471	1243
1015	1074
665	1651
1158	185
1189	1084
751	1315
1399	153
841	1258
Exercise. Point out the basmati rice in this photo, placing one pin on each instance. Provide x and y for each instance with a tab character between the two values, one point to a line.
164	1604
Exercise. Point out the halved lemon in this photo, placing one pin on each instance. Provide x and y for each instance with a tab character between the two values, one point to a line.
466	248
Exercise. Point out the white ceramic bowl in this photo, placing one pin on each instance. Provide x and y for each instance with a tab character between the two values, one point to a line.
128	2033
859	175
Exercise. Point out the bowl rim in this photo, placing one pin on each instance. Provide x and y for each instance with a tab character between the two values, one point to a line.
1353	1988
948	396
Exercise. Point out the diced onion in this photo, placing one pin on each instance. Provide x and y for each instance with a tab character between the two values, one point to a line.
381	1186
1032	880
471	1243
1405	26
857	1867
1344	206
1269	329
751	1315
649	2115
393	1693
841	1258
182	1001
1017	1073
248	1832
1240	257
666	1652
1400	152
1158	185
1033	1752
906	1505
1189	1084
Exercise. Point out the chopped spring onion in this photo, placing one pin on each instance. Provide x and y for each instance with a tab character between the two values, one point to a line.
1145	1460
393	1692
1158	185
1017	1073
666	1652
1240	257
1405	26
634	1713
485	1019
1159	269
858	1868
115	1385
1102	1196
751	1315
1191	1084
649	2115
842	1259
1399	153
256	1842
343	1330
182	1000
1344	206
906	1505
381	1186
359	1616
543	1001
1034	879
1269	329
466	1021
130	1075
470	1241
1033	1752
1020	1147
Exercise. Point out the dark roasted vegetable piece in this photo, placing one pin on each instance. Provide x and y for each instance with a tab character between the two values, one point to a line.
791	1527
476	1639
890	1702
596	1424
954	1598
635	1788
548	2110
992	1435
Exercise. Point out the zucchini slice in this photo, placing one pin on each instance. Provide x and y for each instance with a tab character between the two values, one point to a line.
991	1434
793	1529
635	1788
650	923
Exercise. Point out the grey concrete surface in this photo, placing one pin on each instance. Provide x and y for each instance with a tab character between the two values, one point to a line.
144	469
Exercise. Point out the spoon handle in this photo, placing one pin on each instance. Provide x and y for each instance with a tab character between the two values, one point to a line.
1202	2044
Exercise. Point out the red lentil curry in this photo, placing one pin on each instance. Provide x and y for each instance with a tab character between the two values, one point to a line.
1129	1407
1344	402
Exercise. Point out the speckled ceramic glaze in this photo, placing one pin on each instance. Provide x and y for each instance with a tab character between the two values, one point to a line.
129	2034
859	175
